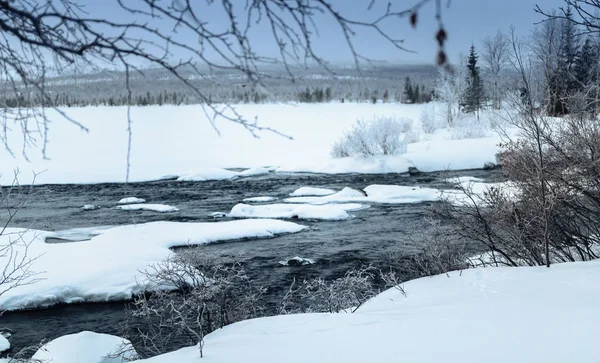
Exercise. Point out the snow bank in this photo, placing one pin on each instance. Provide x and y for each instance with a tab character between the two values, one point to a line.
209	174
310	191
391	194
151	207
108	265
188	147
255	171
333	212
222	174
131	200
260	199
529	314
4	344
84	347
478	189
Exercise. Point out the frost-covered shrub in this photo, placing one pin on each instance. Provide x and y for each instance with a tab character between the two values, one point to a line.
381	136
470	128
429	120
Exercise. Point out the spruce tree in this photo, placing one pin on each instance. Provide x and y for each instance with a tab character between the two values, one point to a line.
474	93
408	91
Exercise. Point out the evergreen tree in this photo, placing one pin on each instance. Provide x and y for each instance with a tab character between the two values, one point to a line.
386	96
474	92
409	95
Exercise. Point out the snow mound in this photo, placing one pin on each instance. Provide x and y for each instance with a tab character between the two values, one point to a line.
131	200
391	194
162	208
334	212
255	171
90	207
461	317
297	261
84	347
209	174
260	199
107	267
310	191
4	344
222	174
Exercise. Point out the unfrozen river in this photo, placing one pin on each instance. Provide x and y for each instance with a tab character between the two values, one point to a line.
369	238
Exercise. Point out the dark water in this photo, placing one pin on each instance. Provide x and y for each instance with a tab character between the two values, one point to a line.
369	238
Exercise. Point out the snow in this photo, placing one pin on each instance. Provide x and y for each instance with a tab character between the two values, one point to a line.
333	212
131	200
391	194
478	189
84	347
222	174
4	344
151	207
260	199
107	267
255	171
188	148
209	174
498	315
311	191
297	261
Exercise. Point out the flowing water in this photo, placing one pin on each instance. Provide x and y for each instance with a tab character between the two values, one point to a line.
338	246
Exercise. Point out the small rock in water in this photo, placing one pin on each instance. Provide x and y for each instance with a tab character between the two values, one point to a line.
489	166
297	261
413	171
90	207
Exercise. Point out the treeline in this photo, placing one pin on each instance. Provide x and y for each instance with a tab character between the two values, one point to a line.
570	62
157	89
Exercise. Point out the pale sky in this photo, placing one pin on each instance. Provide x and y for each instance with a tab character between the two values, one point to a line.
467	22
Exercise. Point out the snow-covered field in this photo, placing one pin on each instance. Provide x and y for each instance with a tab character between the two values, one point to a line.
178	142
109	265
525	314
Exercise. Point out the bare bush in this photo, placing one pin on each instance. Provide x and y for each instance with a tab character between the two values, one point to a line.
209	293
16	262
552	213
380	136
344	294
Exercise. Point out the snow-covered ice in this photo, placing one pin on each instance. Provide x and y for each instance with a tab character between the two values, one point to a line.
188	148
257	171
209	174
4	344
260	199
131	200
391	194
499	315
162	208
334	212
85	347
206	174
108	265
311	191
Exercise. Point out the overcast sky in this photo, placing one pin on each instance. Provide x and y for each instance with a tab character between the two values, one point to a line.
467	22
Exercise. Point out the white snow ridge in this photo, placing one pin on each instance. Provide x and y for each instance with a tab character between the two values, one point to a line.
131	200
162	208
333	212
